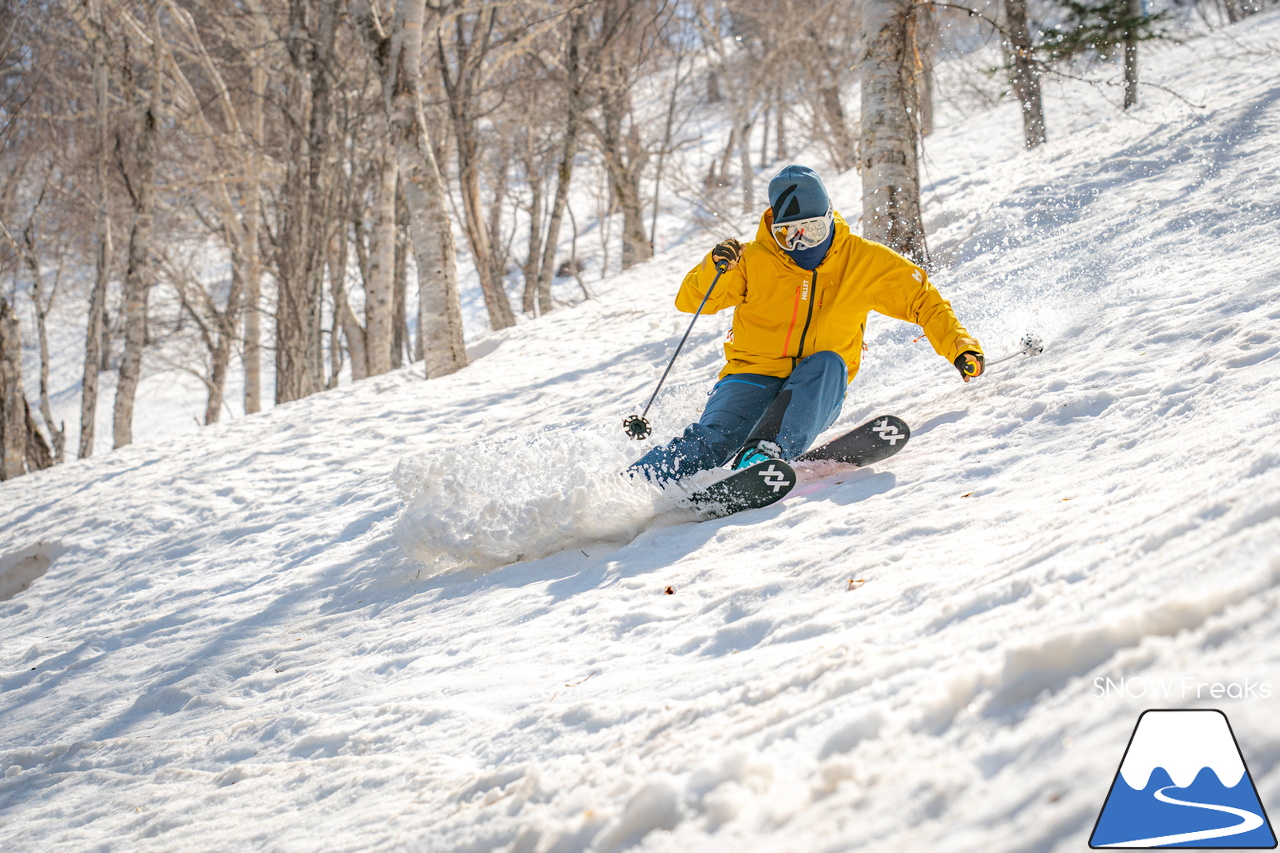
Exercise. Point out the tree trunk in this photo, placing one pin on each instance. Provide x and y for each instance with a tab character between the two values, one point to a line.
1134	11
379	286
22	447
138	273
221	359
352	331
920	27
667	133
531	264
766	114
94	336
890	172
13	411
461	88
400	350
220	353
624	161
439	304
220	356
721	178
568	151
841	140
309	197
252	357
1024	74
57	432
782	153
482	251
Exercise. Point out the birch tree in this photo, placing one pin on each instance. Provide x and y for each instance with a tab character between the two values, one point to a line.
464	63
1135	11
890	170
27	248
22	447
398	56
252	355
13	402
88	17
576	74
142	190
306	211
232	190
622	147
1024	72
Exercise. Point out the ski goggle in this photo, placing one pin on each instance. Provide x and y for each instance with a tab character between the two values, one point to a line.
803	233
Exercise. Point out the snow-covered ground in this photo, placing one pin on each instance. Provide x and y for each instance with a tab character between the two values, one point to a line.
431	616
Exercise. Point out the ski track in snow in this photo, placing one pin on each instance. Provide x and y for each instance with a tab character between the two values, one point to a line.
431	616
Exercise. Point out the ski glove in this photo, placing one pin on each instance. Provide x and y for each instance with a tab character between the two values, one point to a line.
970	364
727	251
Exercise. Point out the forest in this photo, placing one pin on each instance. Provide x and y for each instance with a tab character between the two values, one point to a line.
277	196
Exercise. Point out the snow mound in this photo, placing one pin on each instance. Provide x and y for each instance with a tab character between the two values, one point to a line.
521	498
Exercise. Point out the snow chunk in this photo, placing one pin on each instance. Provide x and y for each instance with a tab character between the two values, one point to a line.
656	805
522	498
22	568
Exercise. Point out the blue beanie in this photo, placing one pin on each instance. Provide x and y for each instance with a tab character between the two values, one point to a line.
797	193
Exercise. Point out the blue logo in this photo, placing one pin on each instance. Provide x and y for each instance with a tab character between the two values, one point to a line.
1183	783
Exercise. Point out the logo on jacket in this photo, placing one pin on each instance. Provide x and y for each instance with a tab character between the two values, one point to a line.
1183	783
917	276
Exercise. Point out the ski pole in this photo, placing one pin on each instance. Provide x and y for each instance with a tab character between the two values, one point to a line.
1029	345
637	426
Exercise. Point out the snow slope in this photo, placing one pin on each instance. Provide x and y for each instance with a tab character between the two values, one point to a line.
430	616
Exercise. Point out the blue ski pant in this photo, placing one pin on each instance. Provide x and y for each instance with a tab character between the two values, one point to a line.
749	407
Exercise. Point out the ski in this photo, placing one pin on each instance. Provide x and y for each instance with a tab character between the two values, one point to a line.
877	439
757	486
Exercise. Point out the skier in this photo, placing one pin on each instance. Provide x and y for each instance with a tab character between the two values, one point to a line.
802	291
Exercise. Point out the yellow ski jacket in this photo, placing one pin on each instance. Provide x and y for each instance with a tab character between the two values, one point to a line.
784	313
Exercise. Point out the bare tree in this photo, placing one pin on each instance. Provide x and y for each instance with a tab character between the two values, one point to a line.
13	402
821	65
1135	10
231	168
142	190
252	355
587	33
28	249
576	73
464	64
531	129
1024	72
87	15
624	147
890	171
922	40
379	286
306	210
398	57
739	81
22	447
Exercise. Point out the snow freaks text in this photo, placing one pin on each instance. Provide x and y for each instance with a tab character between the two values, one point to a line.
1186	687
